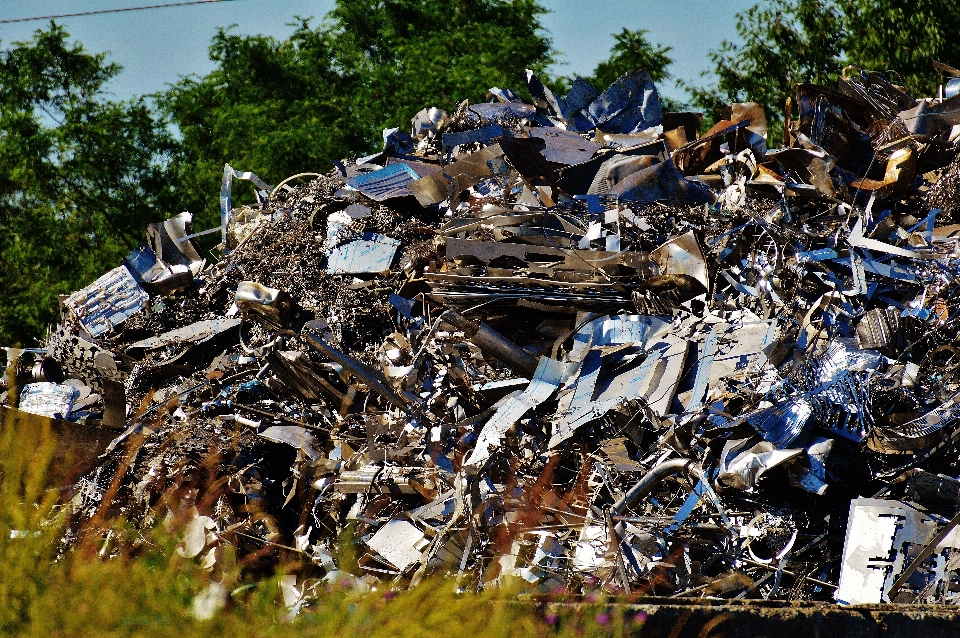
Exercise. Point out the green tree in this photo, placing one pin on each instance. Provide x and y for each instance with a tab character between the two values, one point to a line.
407	54
786	43
272	107
283	107
782	44
80	176
632	51
903	39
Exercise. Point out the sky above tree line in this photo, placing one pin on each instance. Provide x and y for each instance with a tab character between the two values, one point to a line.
158	46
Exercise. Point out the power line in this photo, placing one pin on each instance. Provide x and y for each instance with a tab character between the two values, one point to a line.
100	11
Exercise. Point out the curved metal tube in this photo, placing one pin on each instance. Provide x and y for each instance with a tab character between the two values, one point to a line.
653	478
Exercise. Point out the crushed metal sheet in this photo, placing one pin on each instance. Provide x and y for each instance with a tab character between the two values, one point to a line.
372	254
194	333
400	542
48	399
385	183
107	302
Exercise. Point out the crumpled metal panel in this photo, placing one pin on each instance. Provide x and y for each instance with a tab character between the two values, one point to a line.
107	302
631	104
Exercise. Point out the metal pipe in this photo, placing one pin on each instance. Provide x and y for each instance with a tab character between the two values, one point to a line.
653	478
493	343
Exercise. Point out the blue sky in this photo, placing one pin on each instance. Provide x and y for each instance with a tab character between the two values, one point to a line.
158	46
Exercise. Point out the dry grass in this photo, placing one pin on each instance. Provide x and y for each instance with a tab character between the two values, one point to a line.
94	590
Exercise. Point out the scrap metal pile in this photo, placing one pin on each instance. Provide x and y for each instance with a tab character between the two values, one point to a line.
573	342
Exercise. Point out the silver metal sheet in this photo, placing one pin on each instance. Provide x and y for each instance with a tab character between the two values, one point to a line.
193	333
781	424
550	373
385	183
740	467
881	538
372	254
107	302
53	400
564	147
400	542
631	104
296	437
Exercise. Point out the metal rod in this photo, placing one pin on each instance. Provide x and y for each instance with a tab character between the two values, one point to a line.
368	376
823	583
923	555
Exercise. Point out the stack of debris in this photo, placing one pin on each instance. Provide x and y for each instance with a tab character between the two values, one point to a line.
573	342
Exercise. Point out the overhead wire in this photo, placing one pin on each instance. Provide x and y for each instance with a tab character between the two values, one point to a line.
103	11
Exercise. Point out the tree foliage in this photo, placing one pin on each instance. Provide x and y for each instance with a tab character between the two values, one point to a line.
632	50
903	39
782	44
80	176
793	41
404	54
272	107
